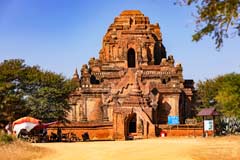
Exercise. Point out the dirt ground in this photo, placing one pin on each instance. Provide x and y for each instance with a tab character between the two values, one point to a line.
167	148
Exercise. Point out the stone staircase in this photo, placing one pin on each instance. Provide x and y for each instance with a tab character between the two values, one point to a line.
151	127
127	80
142	115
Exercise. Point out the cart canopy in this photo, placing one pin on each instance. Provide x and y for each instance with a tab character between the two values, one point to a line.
27	123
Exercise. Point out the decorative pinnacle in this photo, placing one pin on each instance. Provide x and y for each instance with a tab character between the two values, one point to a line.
76	76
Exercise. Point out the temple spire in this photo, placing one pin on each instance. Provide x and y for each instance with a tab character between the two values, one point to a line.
75	75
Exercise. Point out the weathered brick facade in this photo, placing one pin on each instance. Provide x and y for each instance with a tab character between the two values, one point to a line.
133	86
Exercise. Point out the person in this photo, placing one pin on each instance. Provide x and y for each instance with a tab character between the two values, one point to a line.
85	136
8	128
44	131
59	134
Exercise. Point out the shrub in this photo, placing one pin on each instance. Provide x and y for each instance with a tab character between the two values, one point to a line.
5	138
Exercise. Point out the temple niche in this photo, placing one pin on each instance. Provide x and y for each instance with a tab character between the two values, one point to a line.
134	87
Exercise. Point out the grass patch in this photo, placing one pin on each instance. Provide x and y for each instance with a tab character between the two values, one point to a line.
14	149
5	138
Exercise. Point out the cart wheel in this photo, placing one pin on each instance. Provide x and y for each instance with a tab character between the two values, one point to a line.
23	135
33	139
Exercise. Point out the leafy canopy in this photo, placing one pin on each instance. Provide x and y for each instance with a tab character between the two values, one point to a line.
30	91
223	92
217	18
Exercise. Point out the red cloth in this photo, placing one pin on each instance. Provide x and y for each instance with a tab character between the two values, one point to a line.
26	119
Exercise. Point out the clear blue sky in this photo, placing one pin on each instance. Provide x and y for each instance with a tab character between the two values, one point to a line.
60	35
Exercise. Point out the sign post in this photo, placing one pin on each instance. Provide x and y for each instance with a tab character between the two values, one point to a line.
208	115
208	125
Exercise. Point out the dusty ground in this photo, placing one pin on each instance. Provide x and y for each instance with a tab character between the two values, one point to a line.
220	148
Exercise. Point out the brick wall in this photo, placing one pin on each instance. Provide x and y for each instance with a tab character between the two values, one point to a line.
95	131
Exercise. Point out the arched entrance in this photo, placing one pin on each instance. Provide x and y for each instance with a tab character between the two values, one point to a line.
131	58
159	53
130	125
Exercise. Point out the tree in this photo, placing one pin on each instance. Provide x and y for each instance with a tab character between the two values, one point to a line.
10	89
224	91
229	95
28	90
217	18
206	92
50	101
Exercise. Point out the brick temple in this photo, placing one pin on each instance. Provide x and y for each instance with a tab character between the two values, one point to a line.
133	88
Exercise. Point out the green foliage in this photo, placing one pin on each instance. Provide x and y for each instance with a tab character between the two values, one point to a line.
216	18
229	94
10	88
29	91
223	92
207	91
5	138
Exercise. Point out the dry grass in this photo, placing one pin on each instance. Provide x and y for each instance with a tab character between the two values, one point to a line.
19	150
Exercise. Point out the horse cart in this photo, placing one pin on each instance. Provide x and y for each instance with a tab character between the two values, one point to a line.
31	129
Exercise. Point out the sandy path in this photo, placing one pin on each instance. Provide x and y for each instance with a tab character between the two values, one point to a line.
151	149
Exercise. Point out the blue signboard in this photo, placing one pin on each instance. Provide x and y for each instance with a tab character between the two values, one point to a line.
173	120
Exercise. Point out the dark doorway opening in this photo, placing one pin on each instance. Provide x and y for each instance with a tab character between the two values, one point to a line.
159	53
131	58
93	80
149	55
132	127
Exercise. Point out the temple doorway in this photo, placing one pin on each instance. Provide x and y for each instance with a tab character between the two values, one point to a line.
131	58
132	124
